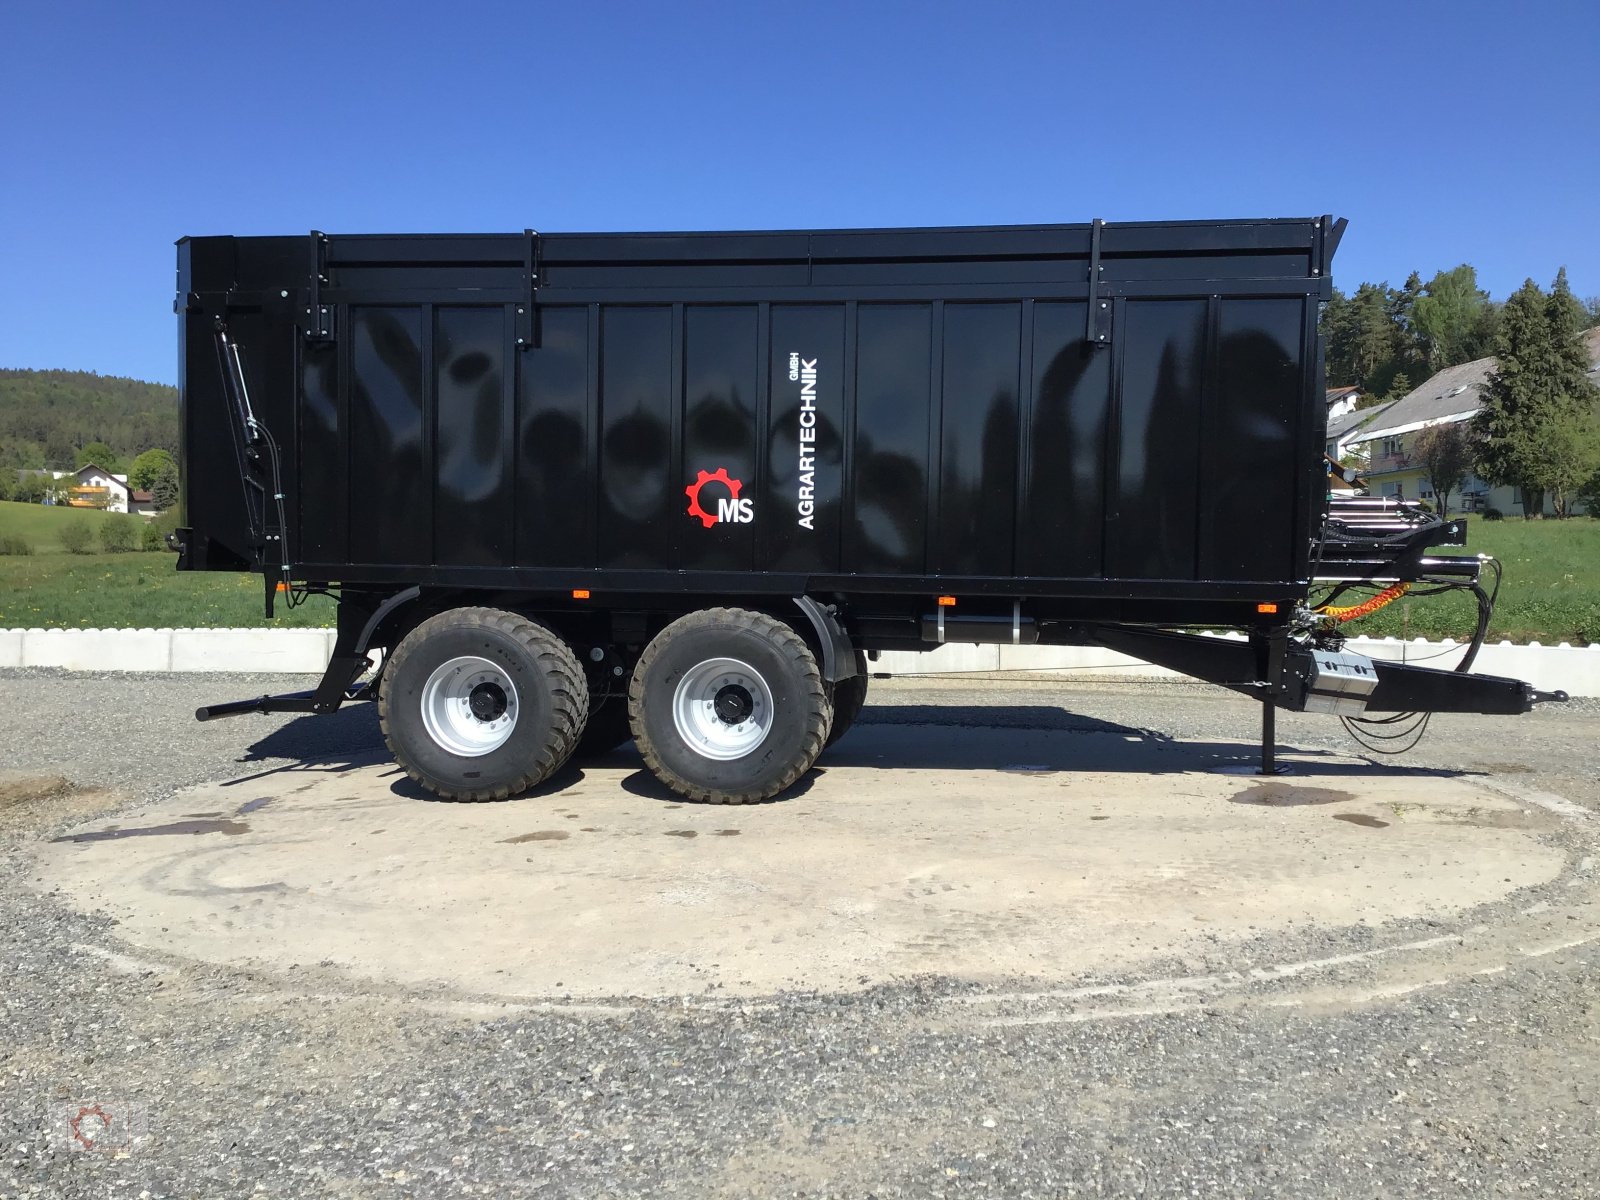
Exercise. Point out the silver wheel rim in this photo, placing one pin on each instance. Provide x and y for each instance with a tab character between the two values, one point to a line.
722	708
469	706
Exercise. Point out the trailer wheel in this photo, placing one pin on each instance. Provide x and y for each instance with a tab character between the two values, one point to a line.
728	706
849	696
480	704
606	729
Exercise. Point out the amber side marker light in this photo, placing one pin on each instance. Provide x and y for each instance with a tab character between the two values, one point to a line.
580	593
1266	608
283	586
947	601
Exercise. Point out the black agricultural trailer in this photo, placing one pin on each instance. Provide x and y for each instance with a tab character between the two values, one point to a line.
577	488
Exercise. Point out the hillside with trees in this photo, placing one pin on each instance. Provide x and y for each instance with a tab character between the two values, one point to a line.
46	417
1538	429
1387	340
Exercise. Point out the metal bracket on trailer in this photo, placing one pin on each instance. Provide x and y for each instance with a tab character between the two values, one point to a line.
1097	325
317	318
527	326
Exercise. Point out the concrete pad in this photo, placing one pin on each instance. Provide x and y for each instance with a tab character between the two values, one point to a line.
977	853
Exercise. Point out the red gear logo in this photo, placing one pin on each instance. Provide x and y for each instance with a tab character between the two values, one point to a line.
90	1110
720	475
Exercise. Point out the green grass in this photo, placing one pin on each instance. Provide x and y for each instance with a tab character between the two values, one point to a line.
1551	591
41	524
134	591
52	589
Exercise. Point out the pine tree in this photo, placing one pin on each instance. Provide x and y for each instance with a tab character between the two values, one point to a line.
1570	443
1533	431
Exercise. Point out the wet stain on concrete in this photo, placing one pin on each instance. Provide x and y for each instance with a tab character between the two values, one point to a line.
571	817
231	828
252	805
1363	819
540	835
1099	818
376	832
682	833
205	814
727	833
590	829
1288	795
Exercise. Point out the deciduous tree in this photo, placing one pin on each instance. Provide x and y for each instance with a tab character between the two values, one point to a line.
1452	318
145	468
1445	454
100	454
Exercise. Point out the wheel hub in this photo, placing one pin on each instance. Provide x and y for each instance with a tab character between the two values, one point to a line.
733	704
723	708
469	706
487	701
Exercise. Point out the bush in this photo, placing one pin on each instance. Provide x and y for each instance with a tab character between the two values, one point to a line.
77	535
15	543
119	534
1493	514
31	489
1589	495
151	538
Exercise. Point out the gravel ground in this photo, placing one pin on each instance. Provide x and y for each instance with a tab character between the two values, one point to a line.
315	1087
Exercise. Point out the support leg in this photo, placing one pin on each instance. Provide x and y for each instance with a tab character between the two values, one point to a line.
1271	647
1269	739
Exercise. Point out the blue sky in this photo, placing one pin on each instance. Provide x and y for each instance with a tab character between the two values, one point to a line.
1445	132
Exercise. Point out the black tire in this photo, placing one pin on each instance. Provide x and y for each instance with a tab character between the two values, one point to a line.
849	696
606	729
796	723
546	710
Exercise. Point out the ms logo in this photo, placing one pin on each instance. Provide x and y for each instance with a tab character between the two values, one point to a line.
729	508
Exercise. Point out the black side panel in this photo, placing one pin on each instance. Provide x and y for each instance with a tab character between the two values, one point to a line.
639	494
324	501
890	454
472	505
1152	535
719	434
554	495
388	480
1064	510
805	439
978	459
1252	422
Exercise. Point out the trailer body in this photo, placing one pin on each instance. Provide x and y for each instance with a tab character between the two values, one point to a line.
882	438
1124	412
